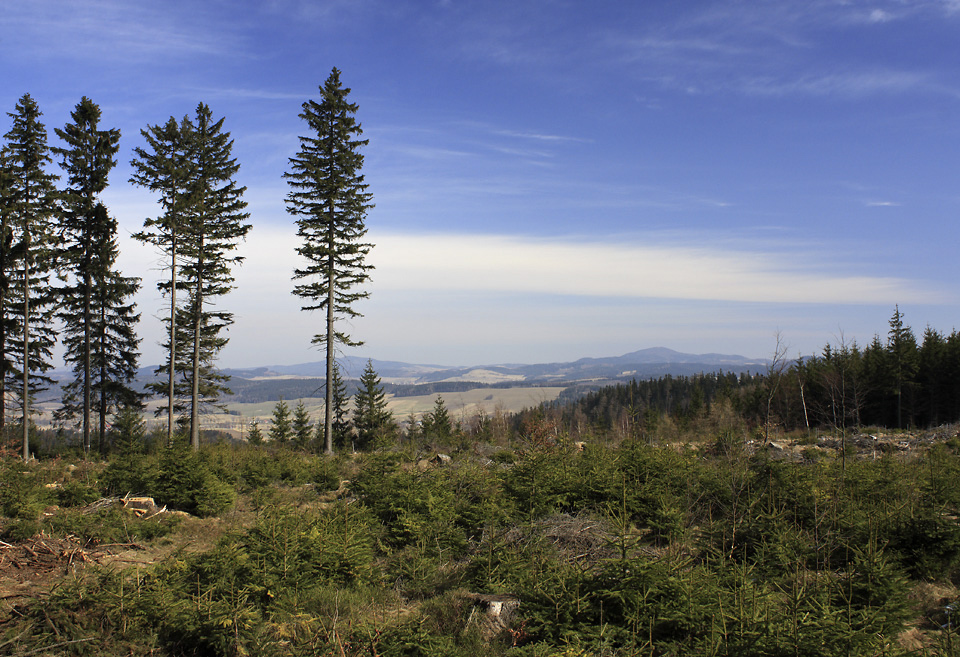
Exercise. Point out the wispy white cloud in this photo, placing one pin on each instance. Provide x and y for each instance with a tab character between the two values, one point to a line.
244	93
327	15
643	48
882	204
539	136
107	28
880	16
585	268
531	299
773	49
854	84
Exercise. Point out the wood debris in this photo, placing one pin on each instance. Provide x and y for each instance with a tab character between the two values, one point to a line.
43	555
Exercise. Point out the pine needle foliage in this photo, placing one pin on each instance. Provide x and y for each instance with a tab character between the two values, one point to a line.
191	164
216	224
99	319
371	418
329	198
341	418
163	167
300	426
281	430
31	209
406	559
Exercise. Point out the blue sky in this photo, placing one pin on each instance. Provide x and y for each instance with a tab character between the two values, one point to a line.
553	179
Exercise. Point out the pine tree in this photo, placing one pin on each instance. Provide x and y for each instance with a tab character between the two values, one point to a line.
437	424
255	436
281	430
98	320
8	346
301	426
341	422
191	165
902	346
880	405
933	375
370	415
216	223
32	200
164	167
128	471
414	428
128	430
329	198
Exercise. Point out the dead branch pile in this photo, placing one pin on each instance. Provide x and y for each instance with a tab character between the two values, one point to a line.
41	555
583	539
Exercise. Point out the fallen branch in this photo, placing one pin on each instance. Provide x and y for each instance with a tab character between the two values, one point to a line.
56	645
135	546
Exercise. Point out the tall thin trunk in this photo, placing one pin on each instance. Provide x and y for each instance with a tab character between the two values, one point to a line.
86	359
195	396
803	402
103	372
26	347
328	400
173	336
3	352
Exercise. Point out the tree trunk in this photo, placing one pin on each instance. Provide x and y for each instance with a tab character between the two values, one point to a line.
26	348
195	394
86	360
328	399
3	351
197	323
173	337
103	371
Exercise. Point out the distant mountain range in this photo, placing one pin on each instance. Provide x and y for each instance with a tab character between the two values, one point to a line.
646	363
305	380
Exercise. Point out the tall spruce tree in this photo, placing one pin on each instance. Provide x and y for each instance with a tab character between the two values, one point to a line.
210	222
32	199
902	346
215	226
164	167
329	198
98	318
8	348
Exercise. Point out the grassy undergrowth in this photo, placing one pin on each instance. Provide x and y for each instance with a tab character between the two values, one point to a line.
616	549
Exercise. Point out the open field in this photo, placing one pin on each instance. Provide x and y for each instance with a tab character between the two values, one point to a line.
461	406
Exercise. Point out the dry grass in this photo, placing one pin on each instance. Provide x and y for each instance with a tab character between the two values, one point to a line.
464	406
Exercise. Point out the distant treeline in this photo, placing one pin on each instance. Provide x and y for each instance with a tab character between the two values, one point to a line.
416	389
638	403
256	391
893	383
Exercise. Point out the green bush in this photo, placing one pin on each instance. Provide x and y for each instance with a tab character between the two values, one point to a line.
131	473
22	491
111	525
19	529
185	482
76	493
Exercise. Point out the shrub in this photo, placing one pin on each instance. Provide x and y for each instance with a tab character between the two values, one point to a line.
75	493
186	483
